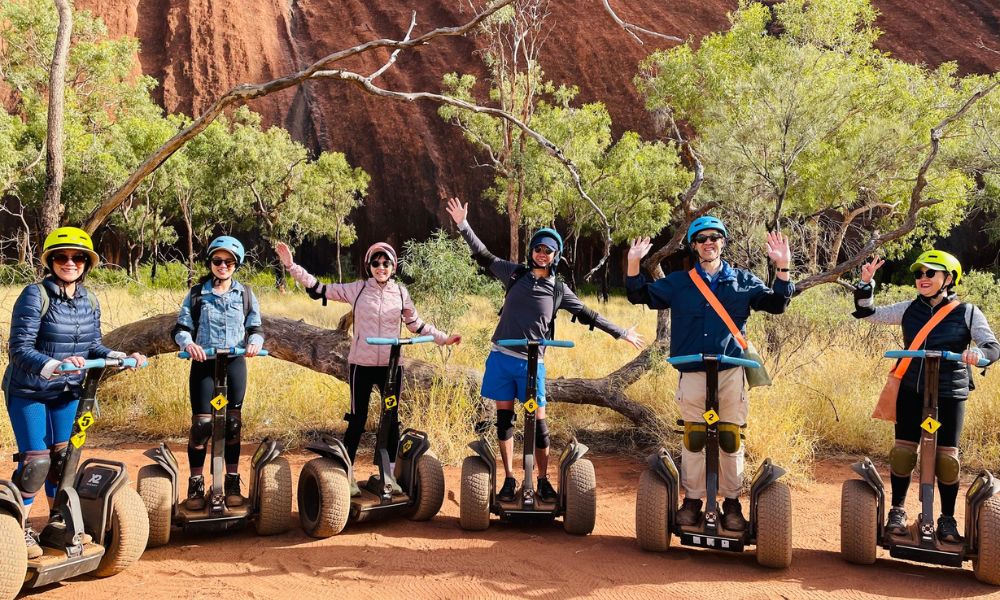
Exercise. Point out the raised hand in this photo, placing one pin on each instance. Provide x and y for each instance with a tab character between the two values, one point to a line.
457	210
632	336
778	250
639	248
284	254
868	269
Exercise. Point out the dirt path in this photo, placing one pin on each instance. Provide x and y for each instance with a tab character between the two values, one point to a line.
397	559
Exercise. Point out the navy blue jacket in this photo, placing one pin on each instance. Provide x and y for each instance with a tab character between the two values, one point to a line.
695	328
71	327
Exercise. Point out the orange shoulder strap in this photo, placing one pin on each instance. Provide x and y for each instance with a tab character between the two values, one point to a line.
719	309
918	341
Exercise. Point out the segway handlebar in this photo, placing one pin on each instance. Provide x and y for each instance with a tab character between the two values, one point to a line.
923	354
210	352
722	358
527	342
377	341
100	363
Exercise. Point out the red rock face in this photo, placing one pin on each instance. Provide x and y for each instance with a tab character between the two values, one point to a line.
198	49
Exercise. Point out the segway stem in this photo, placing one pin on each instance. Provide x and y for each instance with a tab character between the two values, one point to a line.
711	443
87	404
928	446
217	499
530	405
388	416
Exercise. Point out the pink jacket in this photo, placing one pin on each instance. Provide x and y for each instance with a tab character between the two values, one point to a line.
378	311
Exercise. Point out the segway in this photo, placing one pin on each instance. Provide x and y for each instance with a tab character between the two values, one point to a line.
862	509
269	505
97	524
328	495
770	525
577	502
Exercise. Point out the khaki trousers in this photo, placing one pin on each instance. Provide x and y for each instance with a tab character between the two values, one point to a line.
733	408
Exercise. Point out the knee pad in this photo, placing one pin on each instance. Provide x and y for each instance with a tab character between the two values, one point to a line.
505	424
201	430
903	458
57	457
947	467
34	469
234	424
729	437
541	433
695	435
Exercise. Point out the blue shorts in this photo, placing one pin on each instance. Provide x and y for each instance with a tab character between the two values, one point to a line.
506	378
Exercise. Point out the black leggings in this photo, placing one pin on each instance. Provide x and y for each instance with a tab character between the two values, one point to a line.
362	379
201	386
909	416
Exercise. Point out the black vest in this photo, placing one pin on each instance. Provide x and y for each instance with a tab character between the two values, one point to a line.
951	334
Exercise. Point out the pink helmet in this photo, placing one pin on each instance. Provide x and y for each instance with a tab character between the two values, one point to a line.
381	247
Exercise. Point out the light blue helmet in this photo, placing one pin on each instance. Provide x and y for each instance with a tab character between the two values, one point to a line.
703	223
229	244
544	236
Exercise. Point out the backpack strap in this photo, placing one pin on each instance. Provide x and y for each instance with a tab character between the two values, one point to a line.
91	299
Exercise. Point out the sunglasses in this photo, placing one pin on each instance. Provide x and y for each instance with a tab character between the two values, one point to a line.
712	237
542	249
385	264
918	275
218	262
61	259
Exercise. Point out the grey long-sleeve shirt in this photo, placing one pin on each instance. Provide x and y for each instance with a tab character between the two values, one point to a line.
528	305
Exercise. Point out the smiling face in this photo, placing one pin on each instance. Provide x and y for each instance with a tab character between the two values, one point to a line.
69	264
381	267
542	255
223	264
930	281
708	243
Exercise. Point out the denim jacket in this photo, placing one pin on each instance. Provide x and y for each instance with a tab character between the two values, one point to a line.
221	323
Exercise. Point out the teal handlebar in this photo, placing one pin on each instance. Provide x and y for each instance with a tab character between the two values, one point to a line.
525	342
923	354
377	341
210	352
722	358
100	363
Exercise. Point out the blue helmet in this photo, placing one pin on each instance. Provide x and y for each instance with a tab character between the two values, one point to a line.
703	223
229	244
543	235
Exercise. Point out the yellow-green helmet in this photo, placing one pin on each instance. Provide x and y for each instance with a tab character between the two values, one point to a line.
937	260
70	237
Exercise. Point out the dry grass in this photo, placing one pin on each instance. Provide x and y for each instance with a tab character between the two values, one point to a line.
826	380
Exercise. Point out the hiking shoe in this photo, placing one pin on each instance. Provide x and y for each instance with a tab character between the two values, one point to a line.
232	489
947	530
690	512
196	493
896	523
31	541
732	515
508	490
545	490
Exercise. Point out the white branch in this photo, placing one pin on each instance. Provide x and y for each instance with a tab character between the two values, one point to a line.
632	29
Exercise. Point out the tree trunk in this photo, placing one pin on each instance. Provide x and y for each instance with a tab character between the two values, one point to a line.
52	208
189	229
340	270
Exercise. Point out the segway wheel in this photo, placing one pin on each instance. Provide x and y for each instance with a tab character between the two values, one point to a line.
430	487
858	522
474	510
774	526
13	556
157	493
275	497
652	521
324	498
987	563
581	498
126	541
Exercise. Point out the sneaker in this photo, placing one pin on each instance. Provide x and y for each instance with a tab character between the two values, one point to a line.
690	512
31	542
896	523
545	490
732	515
196	493
947	530
232	488
508	490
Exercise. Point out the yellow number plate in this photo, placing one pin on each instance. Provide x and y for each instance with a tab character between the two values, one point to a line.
79	439
85	421
930	425
711	417
390	402
219	402
530	405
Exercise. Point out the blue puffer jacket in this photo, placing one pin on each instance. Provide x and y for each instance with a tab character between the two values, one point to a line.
71	327
695	328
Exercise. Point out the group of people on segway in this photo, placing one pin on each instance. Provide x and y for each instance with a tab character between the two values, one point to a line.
56	328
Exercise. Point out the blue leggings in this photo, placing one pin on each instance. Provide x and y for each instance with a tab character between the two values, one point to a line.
41	425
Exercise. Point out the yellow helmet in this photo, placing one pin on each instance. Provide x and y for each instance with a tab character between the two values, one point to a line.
937	260
70	237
